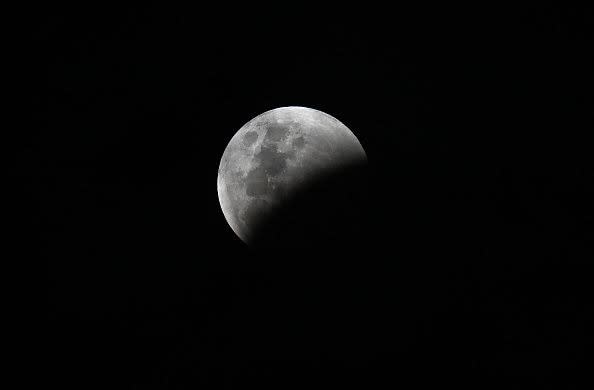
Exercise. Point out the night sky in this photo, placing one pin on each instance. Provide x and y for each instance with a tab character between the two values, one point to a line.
464	258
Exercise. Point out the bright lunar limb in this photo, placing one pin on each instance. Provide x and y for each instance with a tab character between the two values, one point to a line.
275	154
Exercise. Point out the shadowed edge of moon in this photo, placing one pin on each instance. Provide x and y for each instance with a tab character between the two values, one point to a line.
327	210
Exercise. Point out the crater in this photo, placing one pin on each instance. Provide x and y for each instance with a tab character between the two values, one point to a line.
256	182
276	132
299	142
249	138
271	160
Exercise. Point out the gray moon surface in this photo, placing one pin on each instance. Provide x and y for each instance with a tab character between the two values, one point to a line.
275	154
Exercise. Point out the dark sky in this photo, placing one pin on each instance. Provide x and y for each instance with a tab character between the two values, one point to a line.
464	256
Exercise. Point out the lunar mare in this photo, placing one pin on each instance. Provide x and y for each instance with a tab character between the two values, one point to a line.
275	154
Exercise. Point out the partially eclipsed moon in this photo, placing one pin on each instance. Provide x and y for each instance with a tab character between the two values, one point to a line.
275	154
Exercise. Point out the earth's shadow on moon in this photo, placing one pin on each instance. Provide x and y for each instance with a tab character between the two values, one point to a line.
330	211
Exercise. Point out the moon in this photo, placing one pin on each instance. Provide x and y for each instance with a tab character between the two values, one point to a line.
274	155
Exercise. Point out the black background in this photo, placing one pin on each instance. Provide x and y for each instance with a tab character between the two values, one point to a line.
467	253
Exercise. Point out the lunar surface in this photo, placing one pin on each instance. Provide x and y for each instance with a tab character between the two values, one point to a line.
275	154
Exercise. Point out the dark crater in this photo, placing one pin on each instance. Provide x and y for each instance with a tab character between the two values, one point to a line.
276	132
249	138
